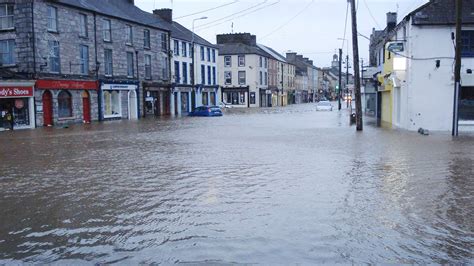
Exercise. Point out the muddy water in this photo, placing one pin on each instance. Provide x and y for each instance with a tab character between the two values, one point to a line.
261	186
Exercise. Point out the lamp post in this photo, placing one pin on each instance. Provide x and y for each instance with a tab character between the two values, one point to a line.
193	80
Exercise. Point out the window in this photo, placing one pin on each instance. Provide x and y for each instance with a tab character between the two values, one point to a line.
208	54
213	55
147	66
228	77
6	17
54	62
266	78
84	55
191	71
52	18
214	79
203	74
176	47
227	61
83	25
112	104
146	37
130	70
261	61
241	60
129	32
261	77
64	104
7	52
467	43
266	62
108	62
185	73
164	42
235	98
107	30
191	50
209	78
176	72
184	48
202	53
165	70
242	78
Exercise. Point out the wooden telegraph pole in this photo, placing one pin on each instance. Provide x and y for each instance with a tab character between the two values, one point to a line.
457	68
355	48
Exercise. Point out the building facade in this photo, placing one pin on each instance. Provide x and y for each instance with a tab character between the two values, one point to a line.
88	60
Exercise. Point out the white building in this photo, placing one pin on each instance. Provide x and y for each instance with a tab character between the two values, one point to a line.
418	76
244	70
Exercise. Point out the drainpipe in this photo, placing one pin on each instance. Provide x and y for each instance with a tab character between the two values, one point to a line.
34	54
99	84
138	89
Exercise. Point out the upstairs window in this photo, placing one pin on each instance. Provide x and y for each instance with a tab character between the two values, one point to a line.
227	61
147	66
242	78
241	60
213	55
467	42
83	25
129	32
208	54
202	53
7	52
191	50
84	54
6	16
108	62
130	69
107	30
228	77
52	18
146	37
184	48
203	74
54	60
176	47
185	73
164	42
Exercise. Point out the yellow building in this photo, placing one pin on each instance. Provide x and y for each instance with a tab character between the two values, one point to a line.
386	89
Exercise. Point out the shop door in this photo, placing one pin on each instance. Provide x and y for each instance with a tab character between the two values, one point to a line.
86	107
47	108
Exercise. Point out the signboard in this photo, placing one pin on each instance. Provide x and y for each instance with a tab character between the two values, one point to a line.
125	87
15	92
395	47
66	84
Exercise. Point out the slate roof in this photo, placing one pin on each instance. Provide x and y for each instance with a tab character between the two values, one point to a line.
442	12
178	31
274	54
121	9
240	48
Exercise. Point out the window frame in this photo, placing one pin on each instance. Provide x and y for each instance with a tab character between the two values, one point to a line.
164	42
241	58
209	77
203	54
84	59
184	49
242	80
8	17
213	55
467	42
108	65
10	45
184	67
68	104
208	54
55	49
52	21
107	29
84	29
129	32
228	76
147	61
118	95
130	65
177	73
227	61
176	47
203	74
146	39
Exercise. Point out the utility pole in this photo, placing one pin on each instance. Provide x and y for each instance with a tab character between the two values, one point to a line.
340	79
355	47
347	80
457	68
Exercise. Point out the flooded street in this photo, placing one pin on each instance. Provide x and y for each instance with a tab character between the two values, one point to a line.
283	185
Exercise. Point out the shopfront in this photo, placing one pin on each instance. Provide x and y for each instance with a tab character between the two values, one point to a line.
62	102
16	105
238	96
158	101
119	101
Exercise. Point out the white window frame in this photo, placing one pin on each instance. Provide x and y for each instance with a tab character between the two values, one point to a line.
9	51
241	60
52	18
84	59
227	61
8	19
227	74
130	65
54	53
108	65
242	80
147	39
176	47
83	29
107	30
129	33
184	49
148	66
119	104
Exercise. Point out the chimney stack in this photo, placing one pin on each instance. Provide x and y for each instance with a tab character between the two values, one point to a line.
391	20
165	13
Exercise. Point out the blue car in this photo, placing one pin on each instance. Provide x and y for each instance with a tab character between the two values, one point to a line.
206	111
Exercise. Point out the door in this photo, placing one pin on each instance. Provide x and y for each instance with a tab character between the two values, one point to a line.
47	108
132	105
86	107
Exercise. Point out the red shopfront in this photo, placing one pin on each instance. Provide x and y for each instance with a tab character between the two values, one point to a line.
66	101
16	105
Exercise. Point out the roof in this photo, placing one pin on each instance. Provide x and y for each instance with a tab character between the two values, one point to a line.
121	9
240	48
442	12
178	31
275	55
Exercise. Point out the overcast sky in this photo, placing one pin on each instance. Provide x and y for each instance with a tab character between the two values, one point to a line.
308	27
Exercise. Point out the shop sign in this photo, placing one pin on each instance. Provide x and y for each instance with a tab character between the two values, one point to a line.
12	92
66	84
119	87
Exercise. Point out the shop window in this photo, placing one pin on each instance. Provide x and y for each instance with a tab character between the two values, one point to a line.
64	104
112	104
204	98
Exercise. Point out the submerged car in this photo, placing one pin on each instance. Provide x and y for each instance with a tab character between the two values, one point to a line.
324	106
206	111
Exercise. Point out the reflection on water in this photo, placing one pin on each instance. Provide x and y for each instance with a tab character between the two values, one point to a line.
271	185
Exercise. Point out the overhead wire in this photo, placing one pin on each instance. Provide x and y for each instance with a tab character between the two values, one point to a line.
287	22
371	15
207	10
345	26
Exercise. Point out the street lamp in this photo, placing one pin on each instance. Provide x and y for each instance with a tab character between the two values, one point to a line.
193	81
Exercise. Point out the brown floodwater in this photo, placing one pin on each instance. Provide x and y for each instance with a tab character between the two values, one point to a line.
269	186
